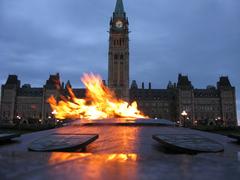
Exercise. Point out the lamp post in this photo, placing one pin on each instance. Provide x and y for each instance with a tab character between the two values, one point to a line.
184	115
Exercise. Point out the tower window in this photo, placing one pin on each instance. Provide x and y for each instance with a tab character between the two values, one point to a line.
121	57
115	56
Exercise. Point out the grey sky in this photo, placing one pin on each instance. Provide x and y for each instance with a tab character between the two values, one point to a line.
200	38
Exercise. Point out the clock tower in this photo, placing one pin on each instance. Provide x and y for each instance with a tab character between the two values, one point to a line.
118	55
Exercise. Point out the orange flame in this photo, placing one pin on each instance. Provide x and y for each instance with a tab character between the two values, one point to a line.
122	157
100	102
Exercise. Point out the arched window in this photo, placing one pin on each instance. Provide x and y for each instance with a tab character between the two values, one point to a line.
121	57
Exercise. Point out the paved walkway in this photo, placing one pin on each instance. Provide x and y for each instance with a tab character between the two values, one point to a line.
120	152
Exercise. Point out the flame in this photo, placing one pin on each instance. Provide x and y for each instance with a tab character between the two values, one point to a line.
122	157
58	157
100	102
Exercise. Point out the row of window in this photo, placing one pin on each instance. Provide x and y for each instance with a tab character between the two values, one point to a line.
157	111
206	95
119	42
116	62
228	107
228	116
6	114
207	116
161	104
27	107
117	56
149	96
32	114
207	108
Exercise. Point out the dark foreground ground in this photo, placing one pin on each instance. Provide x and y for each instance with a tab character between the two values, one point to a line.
121	152
219	130
3	130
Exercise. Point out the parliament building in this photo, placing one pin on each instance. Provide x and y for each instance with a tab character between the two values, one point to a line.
179	101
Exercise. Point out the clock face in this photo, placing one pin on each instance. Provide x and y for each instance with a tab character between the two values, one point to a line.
119	24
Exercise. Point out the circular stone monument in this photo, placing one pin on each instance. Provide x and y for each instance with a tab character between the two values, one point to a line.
188	143
234	136
62	142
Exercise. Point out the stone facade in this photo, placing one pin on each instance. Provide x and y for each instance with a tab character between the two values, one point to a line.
215	105
24	104
210	106
118	56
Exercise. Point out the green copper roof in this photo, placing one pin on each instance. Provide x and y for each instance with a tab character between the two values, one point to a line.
119	9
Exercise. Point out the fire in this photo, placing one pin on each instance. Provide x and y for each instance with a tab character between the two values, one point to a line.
57	157
100	102
122	157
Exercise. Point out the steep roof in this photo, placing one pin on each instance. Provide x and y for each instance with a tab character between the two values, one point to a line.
183	82
224	82
119	9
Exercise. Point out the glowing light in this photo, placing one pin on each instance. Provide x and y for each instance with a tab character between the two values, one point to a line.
61	157
99	103
122	157
57	157
54	112
184	113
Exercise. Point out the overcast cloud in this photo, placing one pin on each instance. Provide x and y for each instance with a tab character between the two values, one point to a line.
200	38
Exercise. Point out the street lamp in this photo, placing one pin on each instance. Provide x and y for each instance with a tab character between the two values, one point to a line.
218	121
184	115
54	112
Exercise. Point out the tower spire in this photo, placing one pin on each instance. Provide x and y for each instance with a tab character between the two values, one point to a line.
119	9
118	56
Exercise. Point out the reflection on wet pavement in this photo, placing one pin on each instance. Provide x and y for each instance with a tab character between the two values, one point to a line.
121	157
58	157
121	152
94	166
112	139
